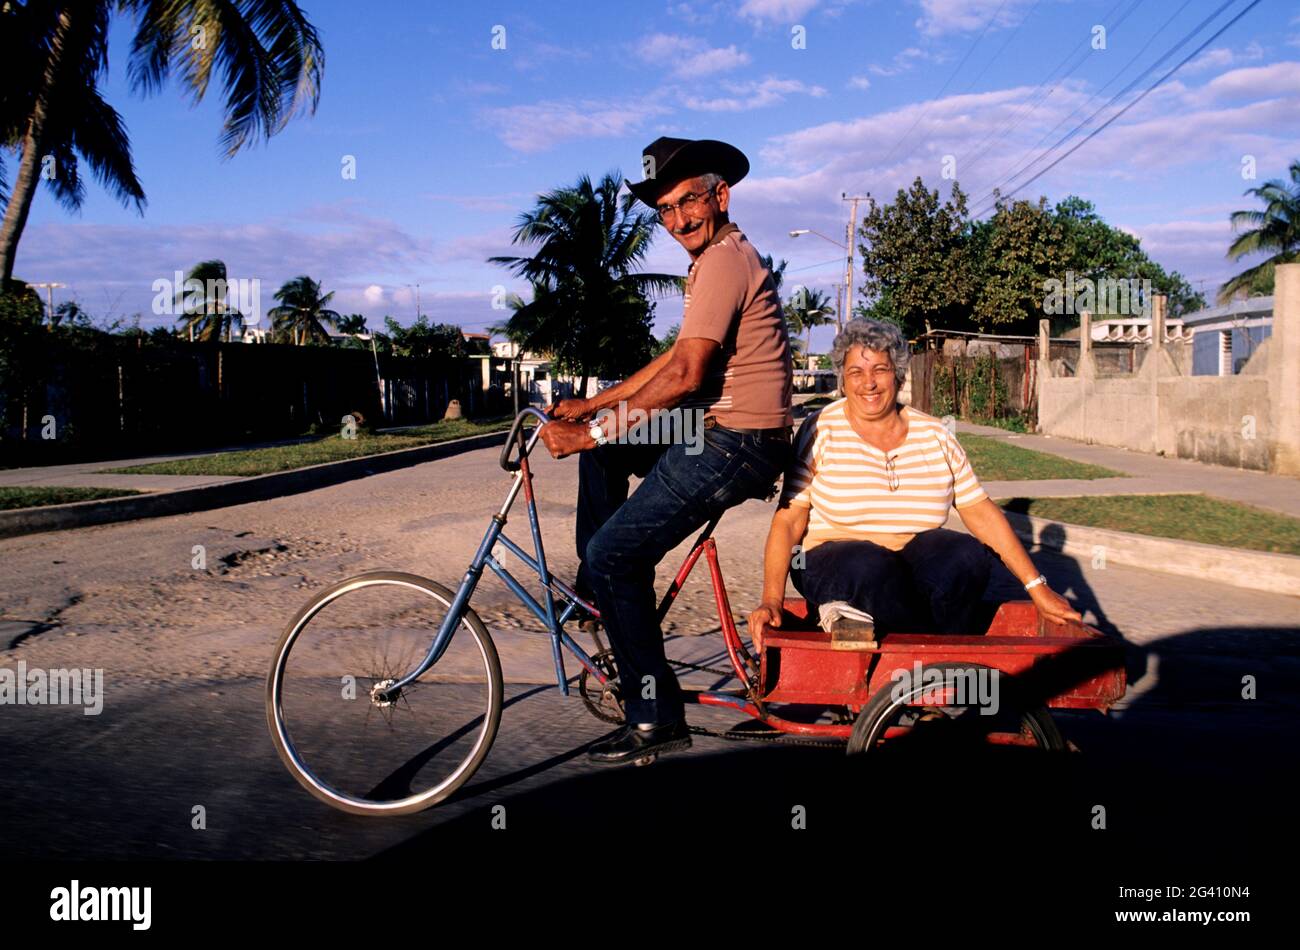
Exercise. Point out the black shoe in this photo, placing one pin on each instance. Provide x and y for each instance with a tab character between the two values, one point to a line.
631	743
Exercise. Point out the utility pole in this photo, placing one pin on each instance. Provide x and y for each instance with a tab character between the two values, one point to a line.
849	234
417	301
49	296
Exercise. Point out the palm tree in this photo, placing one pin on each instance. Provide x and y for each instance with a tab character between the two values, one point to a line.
590	311
1276	228
266	56
302	312
807	309
210	319
352	324
778	271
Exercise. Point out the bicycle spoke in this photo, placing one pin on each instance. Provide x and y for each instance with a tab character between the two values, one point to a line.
339	672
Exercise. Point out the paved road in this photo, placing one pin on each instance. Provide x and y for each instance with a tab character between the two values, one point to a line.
185	650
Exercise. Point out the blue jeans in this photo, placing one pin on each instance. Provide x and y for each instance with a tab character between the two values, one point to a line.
933	585
622	539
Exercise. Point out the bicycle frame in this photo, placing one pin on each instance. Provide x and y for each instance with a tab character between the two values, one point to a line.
553	589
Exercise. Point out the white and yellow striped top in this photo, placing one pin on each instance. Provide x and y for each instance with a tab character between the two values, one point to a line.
846	482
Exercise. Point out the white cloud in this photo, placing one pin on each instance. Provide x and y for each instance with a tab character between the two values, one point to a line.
1223	57
688	56
111	267
939	17
373	295
752	95
901	63
859	82
540	126
1176	134
1255	82
783	11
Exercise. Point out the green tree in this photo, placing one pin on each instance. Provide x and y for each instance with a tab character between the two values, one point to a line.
1276	229
590	313
1097	250
23	352
352	323
425	340
1014	252
916	252
302	314
265	56
665	343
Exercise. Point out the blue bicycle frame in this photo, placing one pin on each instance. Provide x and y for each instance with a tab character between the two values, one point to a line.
552	587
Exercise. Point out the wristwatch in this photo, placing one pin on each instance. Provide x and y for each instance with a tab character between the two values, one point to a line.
598	434
1040	579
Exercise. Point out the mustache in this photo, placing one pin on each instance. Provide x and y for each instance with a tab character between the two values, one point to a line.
687	230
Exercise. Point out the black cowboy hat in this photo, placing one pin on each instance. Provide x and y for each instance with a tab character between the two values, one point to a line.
666	161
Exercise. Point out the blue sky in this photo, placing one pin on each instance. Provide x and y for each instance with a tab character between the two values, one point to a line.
452	138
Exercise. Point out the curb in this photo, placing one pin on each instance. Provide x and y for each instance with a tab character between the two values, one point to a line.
1253	570
80	514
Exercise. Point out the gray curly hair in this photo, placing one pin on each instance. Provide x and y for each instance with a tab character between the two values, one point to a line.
871	335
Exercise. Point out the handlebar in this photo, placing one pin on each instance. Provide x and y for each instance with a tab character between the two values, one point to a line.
512	465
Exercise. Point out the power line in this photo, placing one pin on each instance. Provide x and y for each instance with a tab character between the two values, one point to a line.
1017	164
1037	97
812	266
1091	135
1115	98
1005	43
926	107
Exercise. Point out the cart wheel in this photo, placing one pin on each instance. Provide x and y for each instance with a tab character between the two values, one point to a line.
602	701
1016	721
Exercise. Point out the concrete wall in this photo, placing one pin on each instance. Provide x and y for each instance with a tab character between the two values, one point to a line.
1250	420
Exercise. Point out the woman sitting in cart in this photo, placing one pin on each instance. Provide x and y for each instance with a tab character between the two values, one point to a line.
859	528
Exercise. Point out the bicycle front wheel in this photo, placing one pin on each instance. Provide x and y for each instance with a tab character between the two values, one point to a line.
336	726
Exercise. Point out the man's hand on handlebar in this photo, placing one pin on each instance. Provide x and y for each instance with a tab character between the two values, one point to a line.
572	409
564	438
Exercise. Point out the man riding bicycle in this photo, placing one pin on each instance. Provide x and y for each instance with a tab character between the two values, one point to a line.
731	366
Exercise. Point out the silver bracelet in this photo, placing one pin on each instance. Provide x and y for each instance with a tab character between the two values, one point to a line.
1040	579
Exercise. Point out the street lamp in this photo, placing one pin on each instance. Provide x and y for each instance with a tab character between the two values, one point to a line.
798	231
48	287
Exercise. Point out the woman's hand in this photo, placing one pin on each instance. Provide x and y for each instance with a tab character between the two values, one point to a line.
767	615
1053	606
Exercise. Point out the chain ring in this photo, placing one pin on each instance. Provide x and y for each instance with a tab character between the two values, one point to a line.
600	698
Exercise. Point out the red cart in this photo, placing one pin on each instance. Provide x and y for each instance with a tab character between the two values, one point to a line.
998	684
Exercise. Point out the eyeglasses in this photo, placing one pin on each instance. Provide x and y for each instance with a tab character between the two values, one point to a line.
687	204
891	473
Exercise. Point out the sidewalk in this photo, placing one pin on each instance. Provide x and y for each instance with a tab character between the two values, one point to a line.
164	495
1147	474
90	475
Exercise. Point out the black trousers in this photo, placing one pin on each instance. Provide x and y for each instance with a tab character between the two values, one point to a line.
933	585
